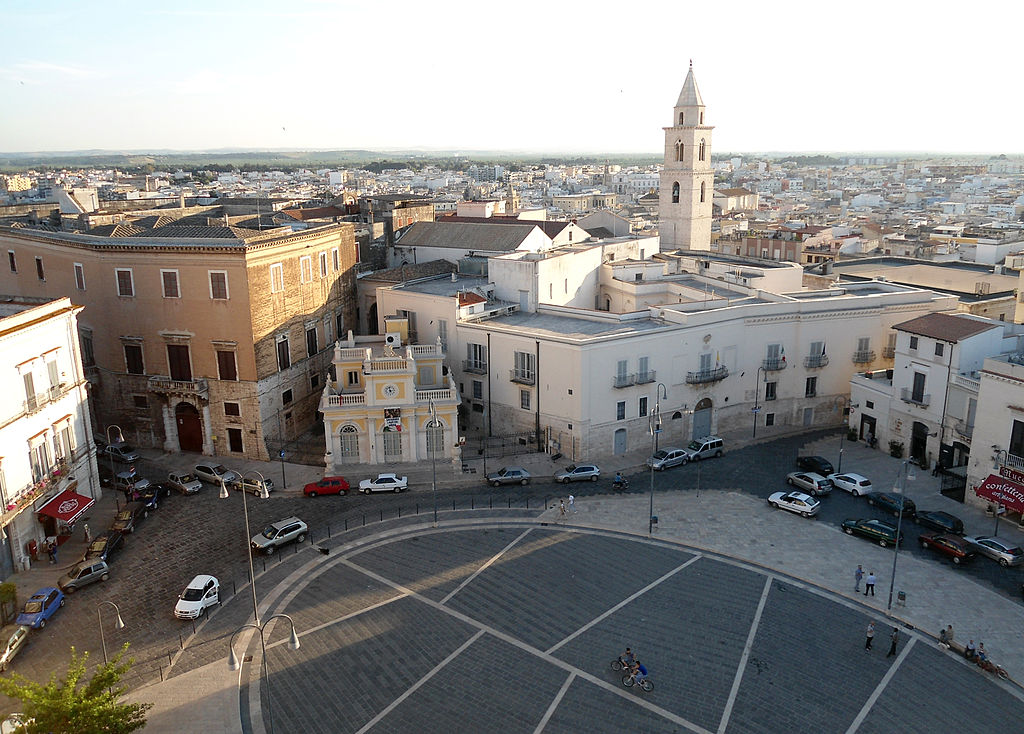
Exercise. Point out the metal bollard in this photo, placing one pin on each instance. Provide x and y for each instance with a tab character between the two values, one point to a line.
472	503
181	642
233	590
364	519
170	662
161	672
382	515
328	532
193	626
346	523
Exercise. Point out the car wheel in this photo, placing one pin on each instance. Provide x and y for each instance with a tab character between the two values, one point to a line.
848	531
312	494
145	514
105	577
871	502
495	484
565	480
524	482
718	454
789	481
301	537
924	543
883	543
1003	562
269	550
62	602
69	590
202	611
855	493
593	478
774	504
42	623
956	560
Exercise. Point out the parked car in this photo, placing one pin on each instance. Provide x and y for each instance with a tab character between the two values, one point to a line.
663	459
104	547
948	545
1005	551
184	482
82	574
855	484
123	452
508	475
327	485
817	464
131	515
13	639
797	502
215	474
127	481
252	485
40	607
941	521
810	482
276	534
578	473
384	483
892	503
878	530
703	448
203	591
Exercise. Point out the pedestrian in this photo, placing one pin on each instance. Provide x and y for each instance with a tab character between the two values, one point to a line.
969	650
561	508
88	535
572	504
946	636
871	635
51	551
857	576
894	637
869	584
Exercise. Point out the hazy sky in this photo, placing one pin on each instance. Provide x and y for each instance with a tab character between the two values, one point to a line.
587	76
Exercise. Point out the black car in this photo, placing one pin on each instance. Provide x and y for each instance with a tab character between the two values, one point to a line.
892	502
103	547
817	464
130	516
882	532
941	521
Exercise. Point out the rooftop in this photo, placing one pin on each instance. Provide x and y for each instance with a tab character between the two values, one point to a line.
945	327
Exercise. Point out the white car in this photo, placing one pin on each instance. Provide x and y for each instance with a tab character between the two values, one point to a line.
855	484
184	482
384	483
202	592
810	482
798	502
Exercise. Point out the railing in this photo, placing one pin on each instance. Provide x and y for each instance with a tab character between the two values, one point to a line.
967	381
162	384
352	354
964	430
703	376
425	349
773	365
475	366
523	377
388	365
819	360
864	356
1017	462
623	380
888	352
423	396
356	398
643	378
907	395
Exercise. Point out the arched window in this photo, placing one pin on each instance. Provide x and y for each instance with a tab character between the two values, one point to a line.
701	117
701	192
701	154
675	193
435	439
680	119
679	150
349	442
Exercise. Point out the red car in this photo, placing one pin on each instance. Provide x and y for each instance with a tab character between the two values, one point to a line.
327	485
949	545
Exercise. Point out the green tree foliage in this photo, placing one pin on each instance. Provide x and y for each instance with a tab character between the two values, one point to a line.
76	704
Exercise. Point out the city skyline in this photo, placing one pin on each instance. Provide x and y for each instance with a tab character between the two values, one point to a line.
338	76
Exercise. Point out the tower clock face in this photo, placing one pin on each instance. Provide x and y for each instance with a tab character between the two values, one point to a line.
390	391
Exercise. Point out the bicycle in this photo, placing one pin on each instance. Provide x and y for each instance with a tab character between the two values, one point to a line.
618	664
993	667
645	685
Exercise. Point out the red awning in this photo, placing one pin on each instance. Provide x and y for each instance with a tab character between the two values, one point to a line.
1002	491
66	506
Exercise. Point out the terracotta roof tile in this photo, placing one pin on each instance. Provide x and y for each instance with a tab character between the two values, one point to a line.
945	327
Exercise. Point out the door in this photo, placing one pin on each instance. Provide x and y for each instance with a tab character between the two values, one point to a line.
235	440
178	362
918	441
808	416
867	426
702	417
619	442
190	428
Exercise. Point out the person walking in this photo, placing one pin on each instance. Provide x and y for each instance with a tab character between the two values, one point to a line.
870	635
88	535
869	584
572	504
857	576
51	551
561	508
894	637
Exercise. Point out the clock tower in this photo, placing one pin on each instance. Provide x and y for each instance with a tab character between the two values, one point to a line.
687	181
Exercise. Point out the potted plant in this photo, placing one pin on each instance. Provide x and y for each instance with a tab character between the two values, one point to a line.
896	449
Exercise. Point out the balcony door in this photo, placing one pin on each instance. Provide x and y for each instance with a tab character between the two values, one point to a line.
178	362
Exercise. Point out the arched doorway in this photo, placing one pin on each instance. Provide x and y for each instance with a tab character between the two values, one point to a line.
918	441
619	442
190	427
371	319
702	419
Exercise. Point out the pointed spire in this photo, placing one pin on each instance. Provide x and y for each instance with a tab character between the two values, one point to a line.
689	96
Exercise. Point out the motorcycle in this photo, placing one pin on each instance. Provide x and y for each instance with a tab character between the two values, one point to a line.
620	485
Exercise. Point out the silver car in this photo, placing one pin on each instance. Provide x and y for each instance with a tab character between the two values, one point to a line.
184	482
1005	551
278	533
810	482
578	473
666	458
216	474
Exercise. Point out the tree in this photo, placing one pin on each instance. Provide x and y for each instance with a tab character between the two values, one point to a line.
72	705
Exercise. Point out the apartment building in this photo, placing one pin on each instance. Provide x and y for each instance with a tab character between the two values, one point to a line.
201	338
48	474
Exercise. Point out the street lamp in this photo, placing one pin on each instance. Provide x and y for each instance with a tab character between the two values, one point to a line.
655	421
263	494
757	389
120	439
432	425
233	663
119	624
901	489
842	437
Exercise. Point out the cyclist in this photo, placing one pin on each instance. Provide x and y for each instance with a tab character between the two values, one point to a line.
618	481
639	671
627	659
982	655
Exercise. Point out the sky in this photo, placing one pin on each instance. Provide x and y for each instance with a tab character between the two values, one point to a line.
528	76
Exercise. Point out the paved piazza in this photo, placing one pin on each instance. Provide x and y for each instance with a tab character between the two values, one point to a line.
510	625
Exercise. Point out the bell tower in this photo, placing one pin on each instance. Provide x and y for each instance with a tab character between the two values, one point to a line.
687	181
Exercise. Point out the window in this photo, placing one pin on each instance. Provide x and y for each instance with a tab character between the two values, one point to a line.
323	264
675	193
52	371
305	269
811	387
442	333
339	324
565	286
702	149
643	373
817	349
705	362
179	361
284	357
286	397
525	368
913	342
226	366
235	440
12	261
435	438
551	291
39	269
917	393
643	407
219	285
125	282
85	339
79	276
133	359
353	378
869	404
702	189
335	260
311	343
328	337
679	143
232	409
524	399
314	382
349	442
276	278
140	401
769	419
30	390
169	279
863	344
620	410
478	390
770	389
393	444
938	348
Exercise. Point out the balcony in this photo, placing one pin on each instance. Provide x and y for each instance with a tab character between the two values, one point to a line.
166	386
819	360
865	356
523	377
888	352
907	395
643	378
963	430
773	365
475	366
623	380
704	376
1004	458
436	395
336	401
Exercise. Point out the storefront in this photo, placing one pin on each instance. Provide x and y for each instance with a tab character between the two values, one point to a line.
58	516
1005	492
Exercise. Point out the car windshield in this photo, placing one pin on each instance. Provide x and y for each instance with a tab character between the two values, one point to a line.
826	482
191	594
571	467
695	445
33	607
269	532
97	545
75	572
126	448
660	454
187	478
219	469
123	515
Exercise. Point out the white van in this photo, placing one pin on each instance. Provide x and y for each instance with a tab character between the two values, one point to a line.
704	448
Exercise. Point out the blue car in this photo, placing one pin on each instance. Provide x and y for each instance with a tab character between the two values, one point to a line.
40	607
